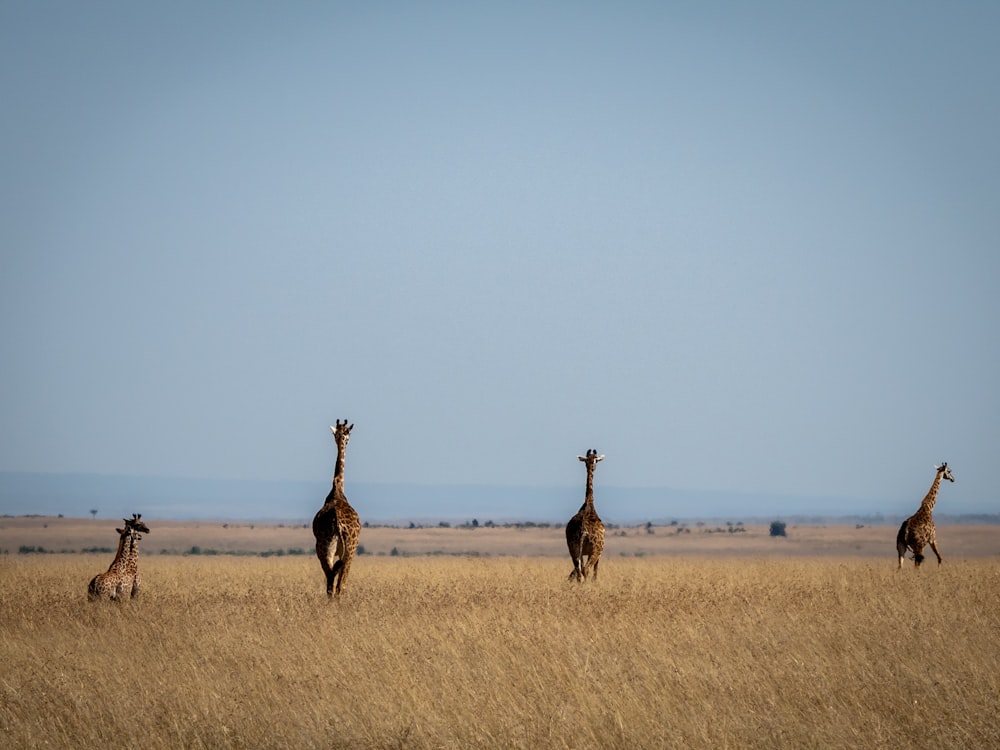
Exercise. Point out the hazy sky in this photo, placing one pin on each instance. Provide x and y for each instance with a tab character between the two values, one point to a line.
733	246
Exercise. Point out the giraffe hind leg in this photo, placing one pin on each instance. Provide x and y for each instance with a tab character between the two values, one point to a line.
323	553
334	577
578	568
345	552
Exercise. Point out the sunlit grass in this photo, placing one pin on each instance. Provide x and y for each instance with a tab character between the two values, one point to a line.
502	652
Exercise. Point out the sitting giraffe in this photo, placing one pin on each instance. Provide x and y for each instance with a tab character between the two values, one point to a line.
918	529
123	573
336	525
585	531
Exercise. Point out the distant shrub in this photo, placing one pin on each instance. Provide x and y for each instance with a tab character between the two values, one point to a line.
778	528
394	552
25	549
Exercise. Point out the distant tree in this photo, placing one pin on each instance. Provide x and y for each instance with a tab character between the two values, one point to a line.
93	512
475	523
778	528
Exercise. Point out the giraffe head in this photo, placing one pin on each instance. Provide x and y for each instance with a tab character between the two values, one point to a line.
591	459
135	524
342	433
945	471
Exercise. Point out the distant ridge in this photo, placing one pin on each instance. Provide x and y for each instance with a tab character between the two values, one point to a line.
114	496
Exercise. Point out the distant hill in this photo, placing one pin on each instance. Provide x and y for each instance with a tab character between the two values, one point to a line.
178	498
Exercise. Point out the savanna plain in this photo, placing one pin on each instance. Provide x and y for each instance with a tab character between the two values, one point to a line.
709	645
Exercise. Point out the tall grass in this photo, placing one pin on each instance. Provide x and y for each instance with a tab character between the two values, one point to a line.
502	652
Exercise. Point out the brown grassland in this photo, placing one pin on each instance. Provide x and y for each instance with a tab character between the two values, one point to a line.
709	645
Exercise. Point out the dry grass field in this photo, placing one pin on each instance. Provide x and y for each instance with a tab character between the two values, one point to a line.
666	650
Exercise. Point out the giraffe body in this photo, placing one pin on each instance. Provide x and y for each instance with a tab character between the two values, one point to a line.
122	575
918	531
336	525
585	530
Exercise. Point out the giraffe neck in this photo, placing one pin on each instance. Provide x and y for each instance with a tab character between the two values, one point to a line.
133	549
928	504
338	474
124	551
589	499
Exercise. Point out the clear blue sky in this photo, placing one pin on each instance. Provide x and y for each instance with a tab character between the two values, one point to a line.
734	246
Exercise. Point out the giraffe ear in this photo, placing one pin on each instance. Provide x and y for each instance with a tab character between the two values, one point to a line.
120	531
581	458
600	457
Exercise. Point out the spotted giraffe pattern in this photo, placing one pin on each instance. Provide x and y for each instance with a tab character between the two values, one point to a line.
336	525
123	574
585	530
917	531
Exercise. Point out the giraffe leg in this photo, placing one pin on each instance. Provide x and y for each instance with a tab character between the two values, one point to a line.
901	544
342	568
136	585
345	553
592	562
576	554
933	543
918	554
323	553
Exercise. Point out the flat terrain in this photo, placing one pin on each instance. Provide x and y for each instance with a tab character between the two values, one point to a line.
697	651
179	537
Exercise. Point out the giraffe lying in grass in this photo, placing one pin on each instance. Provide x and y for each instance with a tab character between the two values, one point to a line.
123	574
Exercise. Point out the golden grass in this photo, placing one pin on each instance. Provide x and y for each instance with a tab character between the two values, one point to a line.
450	652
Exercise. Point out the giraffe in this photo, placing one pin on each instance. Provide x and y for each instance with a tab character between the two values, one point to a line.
585	531
918	529
336	525
123	573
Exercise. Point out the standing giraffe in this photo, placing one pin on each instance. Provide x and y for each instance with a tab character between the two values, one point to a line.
336	525
918	529
123	573
585	530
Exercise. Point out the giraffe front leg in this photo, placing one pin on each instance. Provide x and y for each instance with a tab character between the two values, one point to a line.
136	586
933	544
